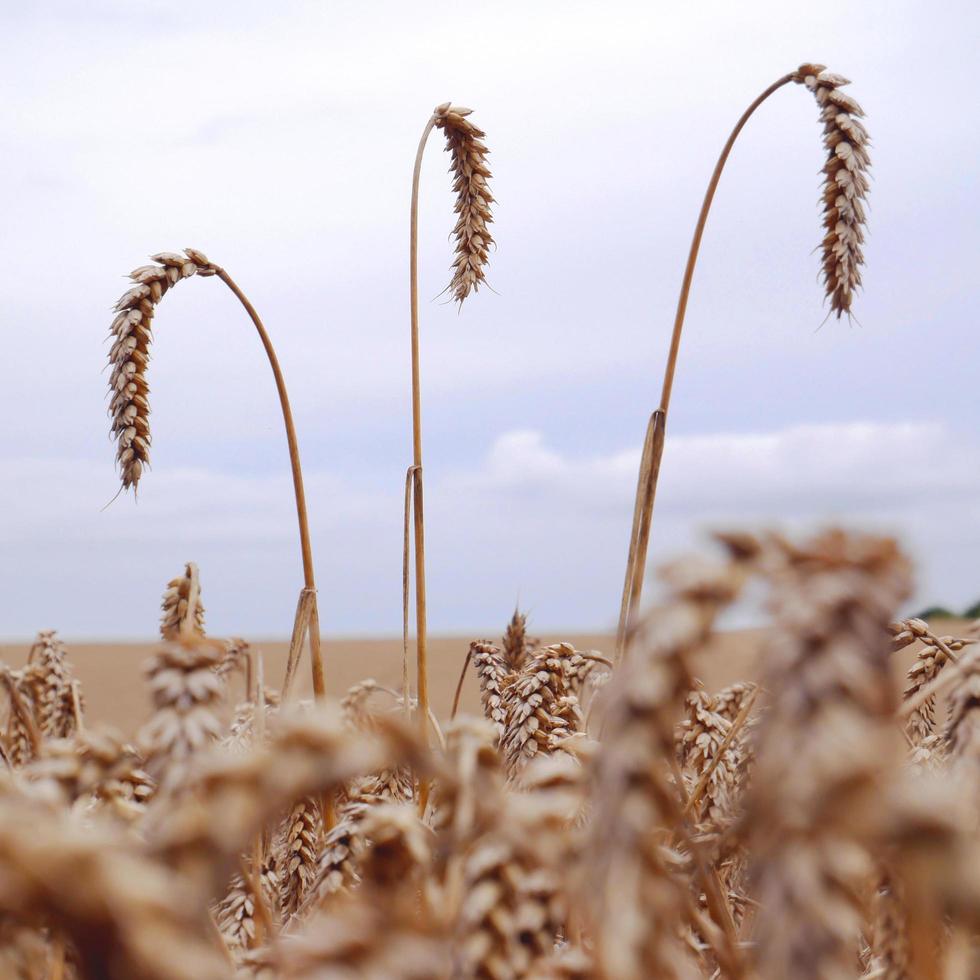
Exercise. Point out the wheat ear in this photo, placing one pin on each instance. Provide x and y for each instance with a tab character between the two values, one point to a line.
473	201
129	408
181	607
50	676
845	187
826	748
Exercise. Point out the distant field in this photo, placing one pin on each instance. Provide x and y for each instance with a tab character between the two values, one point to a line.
112	673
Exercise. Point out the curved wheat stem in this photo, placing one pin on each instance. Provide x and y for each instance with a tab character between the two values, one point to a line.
129	406
845	187
473	200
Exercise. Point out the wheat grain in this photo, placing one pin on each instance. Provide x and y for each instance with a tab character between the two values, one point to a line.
540	710
495	677
845	184
129	356
464	141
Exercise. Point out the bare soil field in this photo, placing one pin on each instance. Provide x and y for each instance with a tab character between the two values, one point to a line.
115	692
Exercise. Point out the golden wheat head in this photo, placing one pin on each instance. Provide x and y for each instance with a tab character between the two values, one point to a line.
845	184
129	406
473	198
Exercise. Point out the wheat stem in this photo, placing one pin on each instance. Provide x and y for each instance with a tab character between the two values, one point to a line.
419	522
297	471
649	474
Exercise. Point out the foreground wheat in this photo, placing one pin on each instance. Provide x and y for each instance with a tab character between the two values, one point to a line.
129	409
756	832
844	191
464	141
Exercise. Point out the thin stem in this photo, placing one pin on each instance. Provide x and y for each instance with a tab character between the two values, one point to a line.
692	258
420	617
647	490
406	580
294	462
459	685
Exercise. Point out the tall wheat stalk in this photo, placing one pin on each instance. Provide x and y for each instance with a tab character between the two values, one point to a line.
845	187
473	200
129	409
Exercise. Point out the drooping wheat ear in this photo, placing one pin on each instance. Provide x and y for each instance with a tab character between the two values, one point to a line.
300	852
129	356
181	606
472	241
129	409
50	674
826	748
473	197
936	652
186	692
845	184
845	188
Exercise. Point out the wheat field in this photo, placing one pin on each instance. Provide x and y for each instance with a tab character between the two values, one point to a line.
798	801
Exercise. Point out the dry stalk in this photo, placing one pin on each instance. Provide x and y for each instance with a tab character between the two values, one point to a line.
472	241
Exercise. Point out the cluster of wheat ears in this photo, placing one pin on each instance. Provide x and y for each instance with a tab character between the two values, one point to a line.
607	818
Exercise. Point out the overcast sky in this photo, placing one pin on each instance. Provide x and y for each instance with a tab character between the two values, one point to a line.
279	139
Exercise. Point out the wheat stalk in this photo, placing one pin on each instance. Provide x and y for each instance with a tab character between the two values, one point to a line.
472	241
845	188
129	409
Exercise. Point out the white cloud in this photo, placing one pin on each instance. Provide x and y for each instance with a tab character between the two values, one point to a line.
525	521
